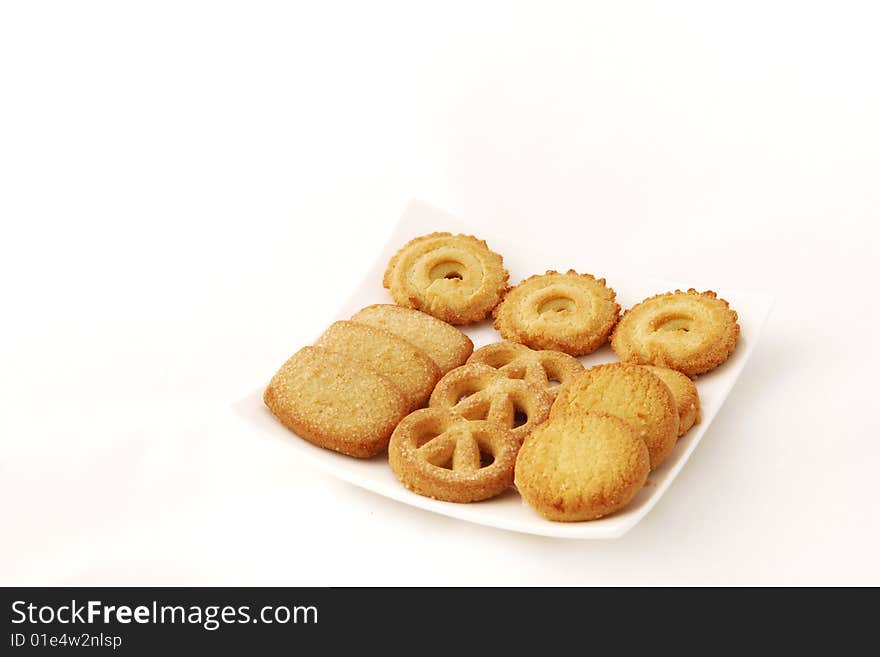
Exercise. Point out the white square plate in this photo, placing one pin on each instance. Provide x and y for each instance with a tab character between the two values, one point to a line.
508	511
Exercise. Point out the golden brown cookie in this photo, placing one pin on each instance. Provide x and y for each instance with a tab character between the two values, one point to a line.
568	312
631	393
545	368
581	467
478	392
456	278
437	453
687	401
692	332
333	403
406	366
445	344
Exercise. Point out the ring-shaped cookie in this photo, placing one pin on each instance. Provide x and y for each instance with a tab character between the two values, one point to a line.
544	368
478	392
437	453
692	332
456	278
569	312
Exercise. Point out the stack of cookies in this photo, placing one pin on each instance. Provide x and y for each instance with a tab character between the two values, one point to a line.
362	377
463	425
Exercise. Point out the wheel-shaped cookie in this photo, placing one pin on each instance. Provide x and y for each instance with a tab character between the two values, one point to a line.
456	278
437	453
478	392
545	369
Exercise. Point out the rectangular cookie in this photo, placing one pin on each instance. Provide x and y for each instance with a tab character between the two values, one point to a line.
445	344
335	402
408	367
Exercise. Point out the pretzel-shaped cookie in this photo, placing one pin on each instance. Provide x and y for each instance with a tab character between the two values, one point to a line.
478	392
437	453
537	368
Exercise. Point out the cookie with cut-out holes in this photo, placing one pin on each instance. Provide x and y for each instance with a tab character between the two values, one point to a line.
478	392
545	369
687	400
692	332
581	467
631	393
437	453
567	312
456	278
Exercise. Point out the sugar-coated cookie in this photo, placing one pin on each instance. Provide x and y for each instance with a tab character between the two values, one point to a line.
334	403
692	332
569	312
456	278
631	393
581	466
544	368
437	453
445	344
478	392
405	365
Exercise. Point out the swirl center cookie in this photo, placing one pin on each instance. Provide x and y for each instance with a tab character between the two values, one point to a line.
571	312
692	332
456	278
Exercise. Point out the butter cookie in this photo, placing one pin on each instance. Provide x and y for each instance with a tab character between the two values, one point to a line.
631	393
438	453
333	403
692	332
544	368
569	312
456	278
684	391
478	392
445	344
405	365
581	467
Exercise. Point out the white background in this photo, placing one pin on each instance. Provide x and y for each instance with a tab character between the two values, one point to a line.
189	190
